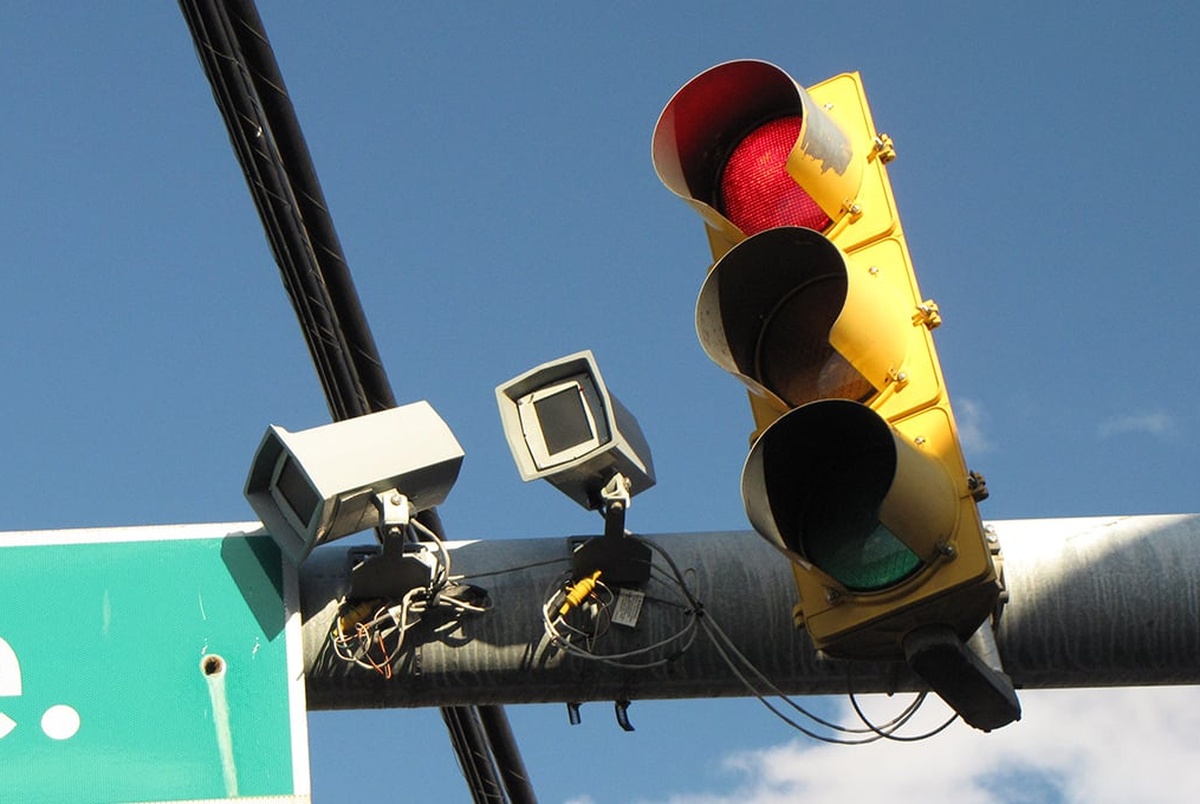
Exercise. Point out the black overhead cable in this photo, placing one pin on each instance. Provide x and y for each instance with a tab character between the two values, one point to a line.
249	91
270	146
471	748
498	734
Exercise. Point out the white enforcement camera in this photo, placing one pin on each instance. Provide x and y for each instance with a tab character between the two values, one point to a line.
321	484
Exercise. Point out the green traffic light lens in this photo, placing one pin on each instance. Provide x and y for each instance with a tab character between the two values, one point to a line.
840	531
824	471
862	561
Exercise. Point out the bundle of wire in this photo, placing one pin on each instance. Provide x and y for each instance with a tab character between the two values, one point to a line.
578	615
598	602
371	633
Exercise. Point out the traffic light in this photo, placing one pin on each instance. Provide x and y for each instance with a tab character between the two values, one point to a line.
856	472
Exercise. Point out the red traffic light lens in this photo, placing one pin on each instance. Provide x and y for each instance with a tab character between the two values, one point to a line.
756	191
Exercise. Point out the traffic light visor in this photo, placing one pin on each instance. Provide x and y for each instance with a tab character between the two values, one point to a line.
835	487
787	313
747	147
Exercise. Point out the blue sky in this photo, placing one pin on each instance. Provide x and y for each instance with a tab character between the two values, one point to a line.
488	170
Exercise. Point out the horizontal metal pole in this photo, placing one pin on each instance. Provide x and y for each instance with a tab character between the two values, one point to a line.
1094	602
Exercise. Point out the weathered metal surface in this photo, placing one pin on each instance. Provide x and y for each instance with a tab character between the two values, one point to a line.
1093	602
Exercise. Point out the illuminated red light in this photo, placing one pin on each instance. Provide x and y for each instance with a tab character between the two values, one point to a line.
756	191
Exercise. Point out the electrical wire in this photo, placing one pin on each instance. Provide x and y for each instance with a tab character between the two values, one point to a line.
598	604
371	634
883	731
416	527
735	660
507	570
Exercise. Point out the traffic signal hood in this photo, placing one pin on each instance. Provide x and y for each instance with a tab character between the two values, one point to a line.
798	320
750	150
856	471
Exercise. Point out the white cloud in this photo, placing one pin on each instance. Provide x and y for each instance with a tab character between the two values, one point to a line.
1154	423
1114	745
970	417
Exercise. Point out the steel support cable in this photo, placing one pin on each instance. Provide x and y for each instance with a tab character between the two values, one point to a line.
471	749
498	733
249	91
253	141
309	199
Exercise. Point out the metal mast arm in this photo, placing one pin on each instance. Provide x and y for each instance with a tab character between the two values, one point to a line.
1096	602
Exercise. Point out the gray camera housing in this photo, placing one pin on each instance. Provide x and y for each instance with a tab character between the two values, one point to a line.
562	424
320	484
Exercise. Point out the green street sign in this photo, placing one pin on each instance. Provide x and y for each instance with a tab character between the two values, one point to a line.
150	665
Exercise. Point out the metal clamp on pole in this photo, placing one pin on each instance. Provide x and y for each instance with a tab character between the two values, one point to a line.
623	561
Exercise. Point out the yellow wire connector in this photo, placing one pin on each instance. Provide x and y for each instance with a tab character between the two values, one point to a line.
352	616
578	592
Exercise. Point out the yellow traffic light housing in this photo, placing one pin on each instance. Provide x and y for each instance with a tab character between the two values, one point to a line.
884	540
856	472
839	352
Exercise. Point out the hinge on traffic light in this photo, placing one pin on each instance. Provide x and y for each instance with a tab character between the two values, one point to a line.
882	149
993	542
928	314
977	485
